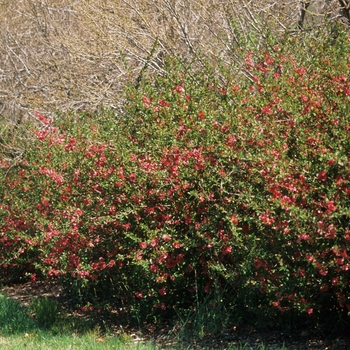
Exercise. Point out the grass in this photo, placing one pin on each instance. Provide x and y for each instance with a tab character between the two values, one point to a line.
45	340
44	325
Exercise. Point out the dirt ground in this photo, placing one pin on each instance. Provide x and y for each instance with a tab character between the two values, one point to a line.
246	336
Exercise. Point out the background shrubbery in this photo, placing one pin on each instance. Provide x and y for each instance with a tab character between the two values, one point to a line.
217	191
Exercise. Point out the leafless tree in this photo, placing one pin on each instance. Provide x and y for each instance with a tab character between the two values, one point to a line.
335	9
77	55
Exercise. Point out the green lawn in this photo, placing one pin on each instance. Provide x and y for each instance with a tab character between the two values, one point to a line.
45	340
44	325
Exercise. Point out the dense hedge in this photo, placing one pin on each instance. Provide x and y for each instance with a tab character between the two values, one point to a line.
203	188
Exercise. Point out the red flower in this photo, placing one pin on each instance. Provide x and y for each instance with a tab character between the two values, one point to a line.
226	250
331	206
139	295
163	257
42	118
266	110
179	89
258	263
180	258
304	98
162	291
154	242
231	140
143	245
166	238
126	226
309	311
234	219
322	176
163	103
111	263
176	245
132	177
139	255
301	71
323	272
147	101
339	261
170	263
153	268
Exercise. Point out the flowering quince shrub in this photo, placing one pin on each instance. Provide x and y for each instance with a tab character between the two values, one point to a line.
202	186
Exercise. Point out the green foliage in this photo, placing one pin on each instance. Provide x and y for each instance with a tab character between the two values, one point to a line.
13	317
207	317
45	310
204	186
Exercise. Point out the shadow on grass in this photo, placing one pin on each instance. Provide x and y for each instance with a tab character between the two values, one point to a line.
14	317
46	324
42	314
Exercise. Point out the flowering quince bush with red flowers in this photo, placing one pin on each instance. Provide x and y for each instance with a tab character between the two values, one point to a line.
202	187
